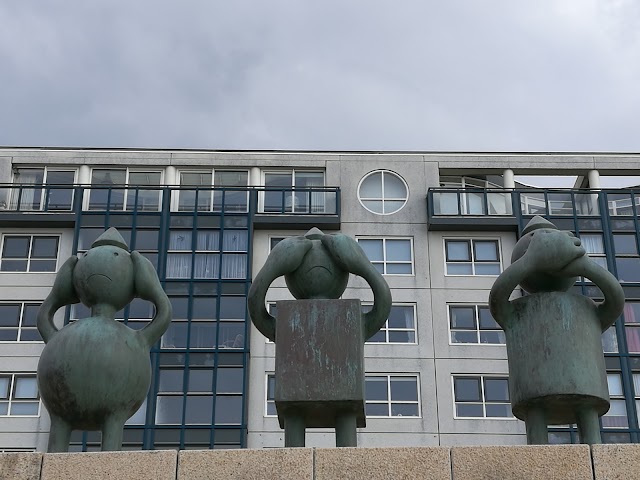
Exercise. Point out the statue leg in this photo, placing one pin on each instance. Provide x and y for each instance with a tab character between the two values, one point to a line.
294	430
59	435
112	433
346	430
536	422
588	426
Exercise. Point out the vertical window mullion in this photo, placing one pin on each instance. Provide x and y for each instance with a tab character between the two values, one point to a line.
29	253
20	319
384	255
484	401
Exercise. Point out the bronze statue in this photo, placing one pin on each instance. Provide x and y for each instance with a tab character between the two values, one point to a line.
319	339
557	372
95	373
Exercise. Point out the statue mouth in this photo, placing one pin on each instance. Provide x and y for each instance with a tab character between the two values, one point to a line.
319	266
99	275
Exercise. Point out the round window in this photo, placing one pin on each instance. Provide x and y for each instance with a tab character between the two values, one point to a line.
383	192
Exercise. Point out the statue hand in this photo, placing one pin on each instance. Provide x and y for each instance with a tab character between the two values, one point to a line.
551	250
347	254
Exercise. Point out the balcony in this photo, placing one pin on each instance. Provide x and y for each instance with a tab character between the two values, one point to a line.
271	207
504	209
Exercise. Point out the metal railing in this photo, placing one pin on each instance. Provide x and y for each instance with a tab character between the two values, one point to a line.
120	198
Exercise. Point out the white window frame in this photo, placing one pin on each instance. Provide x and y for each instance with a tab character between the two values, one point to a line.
289	209
617	398
267	401
389	402
472	260
126	186
476	307
482	378
11	400
382	198
384	261
28	258
19	328
175	198
385	328
45	175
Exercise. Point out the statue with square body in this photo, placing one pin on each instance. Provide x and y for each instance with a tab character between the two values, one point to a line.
319	338
557	372
95	373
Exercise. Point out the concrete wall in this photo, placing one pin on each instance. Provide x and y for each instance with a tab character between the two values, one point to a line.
571	462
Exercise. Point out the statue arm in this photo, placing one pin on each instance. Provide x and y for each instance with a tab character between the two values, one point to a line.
148	287
350	256
504	285
63	293
612	306
285	258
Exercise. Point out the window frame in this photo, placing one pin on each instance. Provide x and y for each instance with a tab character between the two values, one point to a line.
385	328
476	307
23	304
382	197
472	253
29	256
482	378
175	197
86	206
45	174
291	209
10	399
385	262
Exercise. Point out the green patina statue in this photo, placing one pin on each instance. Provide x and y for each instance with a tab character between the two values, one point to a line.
95	373
557	372
319	338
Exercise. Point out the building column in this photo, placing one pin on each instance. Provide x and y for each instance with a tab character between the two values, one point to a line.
171	176
594	179
84	175
507	179
255	179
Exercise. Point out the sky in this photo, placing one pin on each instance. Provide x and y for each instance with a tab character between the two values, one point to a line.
454	75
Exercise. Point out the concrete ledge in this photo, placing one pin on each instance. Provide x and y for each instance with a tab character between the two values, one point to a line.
20	466
267	464
410	463
567	462
149	465
616	462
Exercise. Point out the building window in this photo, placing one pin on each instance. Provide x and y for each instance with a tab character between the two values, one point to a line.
18	322
481	396
110	190
48	192
19	395
386	396
636	389
400	327
383	192
390	256
594	246
627	259
474	324
616	417
631	314
392	396
472	257
293	192
211	256
29	253
221	190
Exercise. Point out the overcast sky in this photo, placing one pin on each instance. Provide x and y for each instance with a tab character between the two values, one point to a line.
480	75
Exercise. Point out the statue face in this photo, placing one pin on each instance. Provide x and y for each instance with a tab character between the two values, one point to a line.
105	275
318	276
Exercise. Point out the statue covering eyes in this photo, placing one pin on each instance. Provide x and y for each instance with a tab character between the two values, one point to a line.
319	338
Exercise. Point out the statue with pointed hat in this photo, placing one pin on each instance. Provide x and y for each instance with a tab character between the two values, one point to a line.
557	372
319	337
95	373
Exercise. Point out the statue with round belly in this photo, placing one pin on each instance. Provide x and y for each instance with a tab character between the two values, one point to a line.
319	338
557	372
95	373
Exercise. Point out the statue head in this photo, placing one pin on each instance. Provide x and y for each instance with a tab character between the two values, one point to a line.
559	247
105	274
318	275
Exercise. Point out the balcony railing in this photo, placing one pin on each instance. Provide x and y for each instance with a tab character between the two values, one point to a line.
308	201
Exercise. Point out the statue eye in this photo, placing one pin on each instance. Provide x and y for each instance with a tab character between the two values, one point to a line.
115	253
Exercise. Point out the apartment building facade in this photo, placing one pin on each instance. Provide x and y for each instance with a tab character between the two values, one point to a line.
439	226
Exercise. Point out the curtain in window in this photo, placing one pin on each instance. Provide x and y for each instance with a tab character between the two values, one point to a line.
592	243
632	329
30	197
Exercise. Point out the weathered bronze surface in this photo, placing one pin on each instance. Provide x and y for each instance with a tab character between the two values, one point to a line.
557	373
95	373
319	339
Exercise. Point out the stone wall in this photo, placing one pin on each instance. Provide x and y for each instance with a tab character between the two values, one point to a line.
567	462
